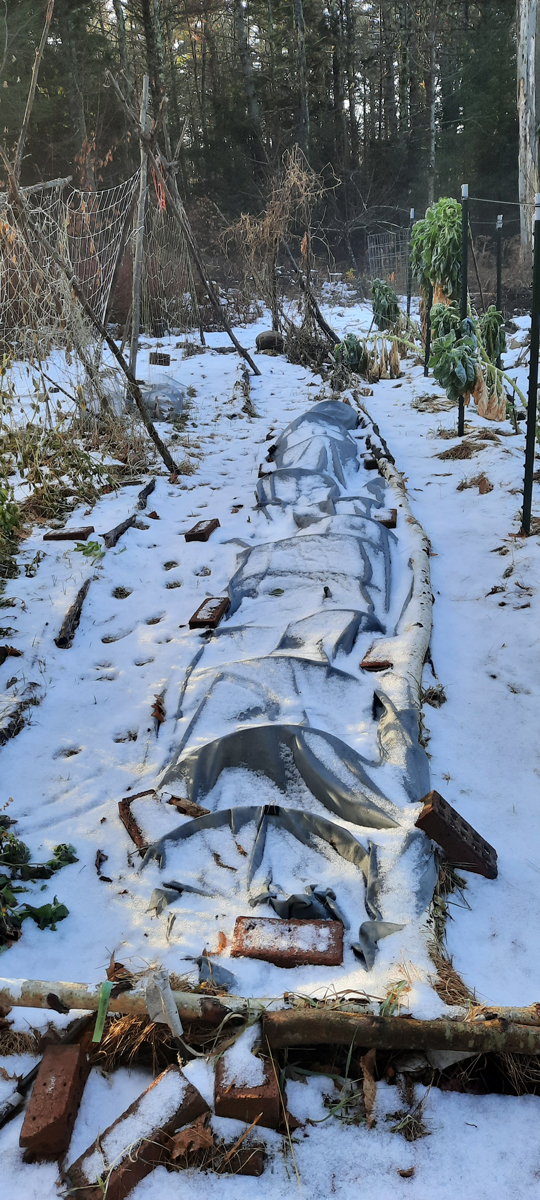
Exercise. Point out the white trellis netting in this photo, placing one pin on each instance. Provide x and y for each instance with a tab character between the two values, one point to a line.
41	323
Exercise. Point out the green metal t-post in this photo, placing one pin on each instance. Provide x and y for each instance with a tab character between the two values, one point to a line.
498	299
409	272
464	282
532	396
427	347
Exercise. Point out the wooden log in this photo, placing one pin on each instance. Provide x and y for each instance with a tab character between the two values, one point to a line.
113	535
144	493
72	618
313	1027
192	1006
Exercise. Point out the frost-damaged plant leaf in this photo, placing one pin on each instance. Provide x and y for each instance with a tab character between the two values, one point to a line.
47	916
367	1063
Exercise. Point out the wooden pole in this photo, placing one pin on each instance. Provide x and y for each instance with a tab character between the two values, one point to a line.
139	241
464	283
319	1026
192	1006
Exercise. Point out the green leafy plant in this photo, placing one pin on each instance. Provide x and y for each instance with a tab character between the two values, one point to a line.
445	319
454	364
15	855
351	353
90	550
491	333
436	248
385	304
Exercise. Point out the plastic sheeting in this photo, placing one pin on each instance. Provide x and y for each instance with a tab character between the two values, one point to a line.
278	689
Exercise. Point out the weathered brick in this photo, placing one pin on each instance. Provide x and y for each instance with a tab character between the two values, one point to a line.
201	531
459	841
136	1143
210	612
248	1160
375	664
240	1102
54	1103
386	516
288	943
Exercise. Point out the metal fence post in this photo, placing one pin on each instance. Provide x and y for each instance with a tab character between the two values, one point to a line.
532	395
498	299
409	272
427	347
464	282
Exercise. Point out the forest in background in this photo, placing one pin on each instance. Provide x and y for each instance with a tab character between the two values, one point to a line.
393	103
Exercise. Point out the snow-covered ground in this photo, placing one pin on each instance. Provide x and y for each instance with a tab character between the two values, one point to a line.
92	739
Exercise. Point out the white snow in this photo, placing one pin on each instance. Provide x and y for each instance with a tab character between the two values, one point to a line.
98	700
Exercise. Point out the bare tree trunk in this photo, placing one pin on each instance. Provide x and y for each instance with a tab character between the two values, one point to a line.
31	93
430	99
528	51
389	86
139	243
354	145
338	77
300	27
122	46
247	73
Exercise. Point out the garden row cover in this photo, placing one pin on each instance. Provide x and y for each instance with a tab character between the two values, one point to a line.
303	760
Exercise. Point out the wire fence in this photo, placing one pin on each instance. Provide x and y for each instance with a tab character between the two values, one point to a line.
388	258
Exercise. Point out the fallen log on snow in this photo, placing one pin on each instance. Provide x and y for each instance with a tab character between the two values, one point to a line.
192	1006
72	618
312	1027
144	493
113	535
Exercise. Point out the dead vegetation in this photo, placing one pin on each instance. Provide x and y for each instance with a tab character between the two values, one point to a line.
481	481
464	449
428	403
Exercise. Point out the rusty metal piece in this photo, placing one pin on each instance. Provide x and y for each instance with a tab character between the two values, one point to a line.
209	613
128	820
69	535
459	841
201	531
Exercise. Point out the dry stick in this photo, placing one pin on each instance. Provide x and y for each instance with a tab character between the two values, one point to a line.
240	1140
100	328
31	93
311	298
113	535
285	1115
476	269
178	211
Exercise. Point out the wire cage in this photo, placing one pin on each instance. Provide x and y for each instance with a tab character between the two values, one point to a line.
388	258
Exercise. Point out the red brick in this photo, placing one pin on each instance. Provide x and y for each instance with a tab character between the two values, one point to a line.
210	612
288	943
248	1160
459	841
374	664
136	1142
69	535
242	1103
54	1103
387	517
201	531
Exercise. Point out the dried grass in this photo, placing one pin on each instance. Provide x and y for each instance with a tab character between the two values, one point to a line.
17	1041
427	402
464	449
481	481
447	983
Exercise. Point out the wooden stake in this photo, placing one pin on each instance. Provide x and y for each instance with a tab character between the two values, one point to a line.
313	1027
